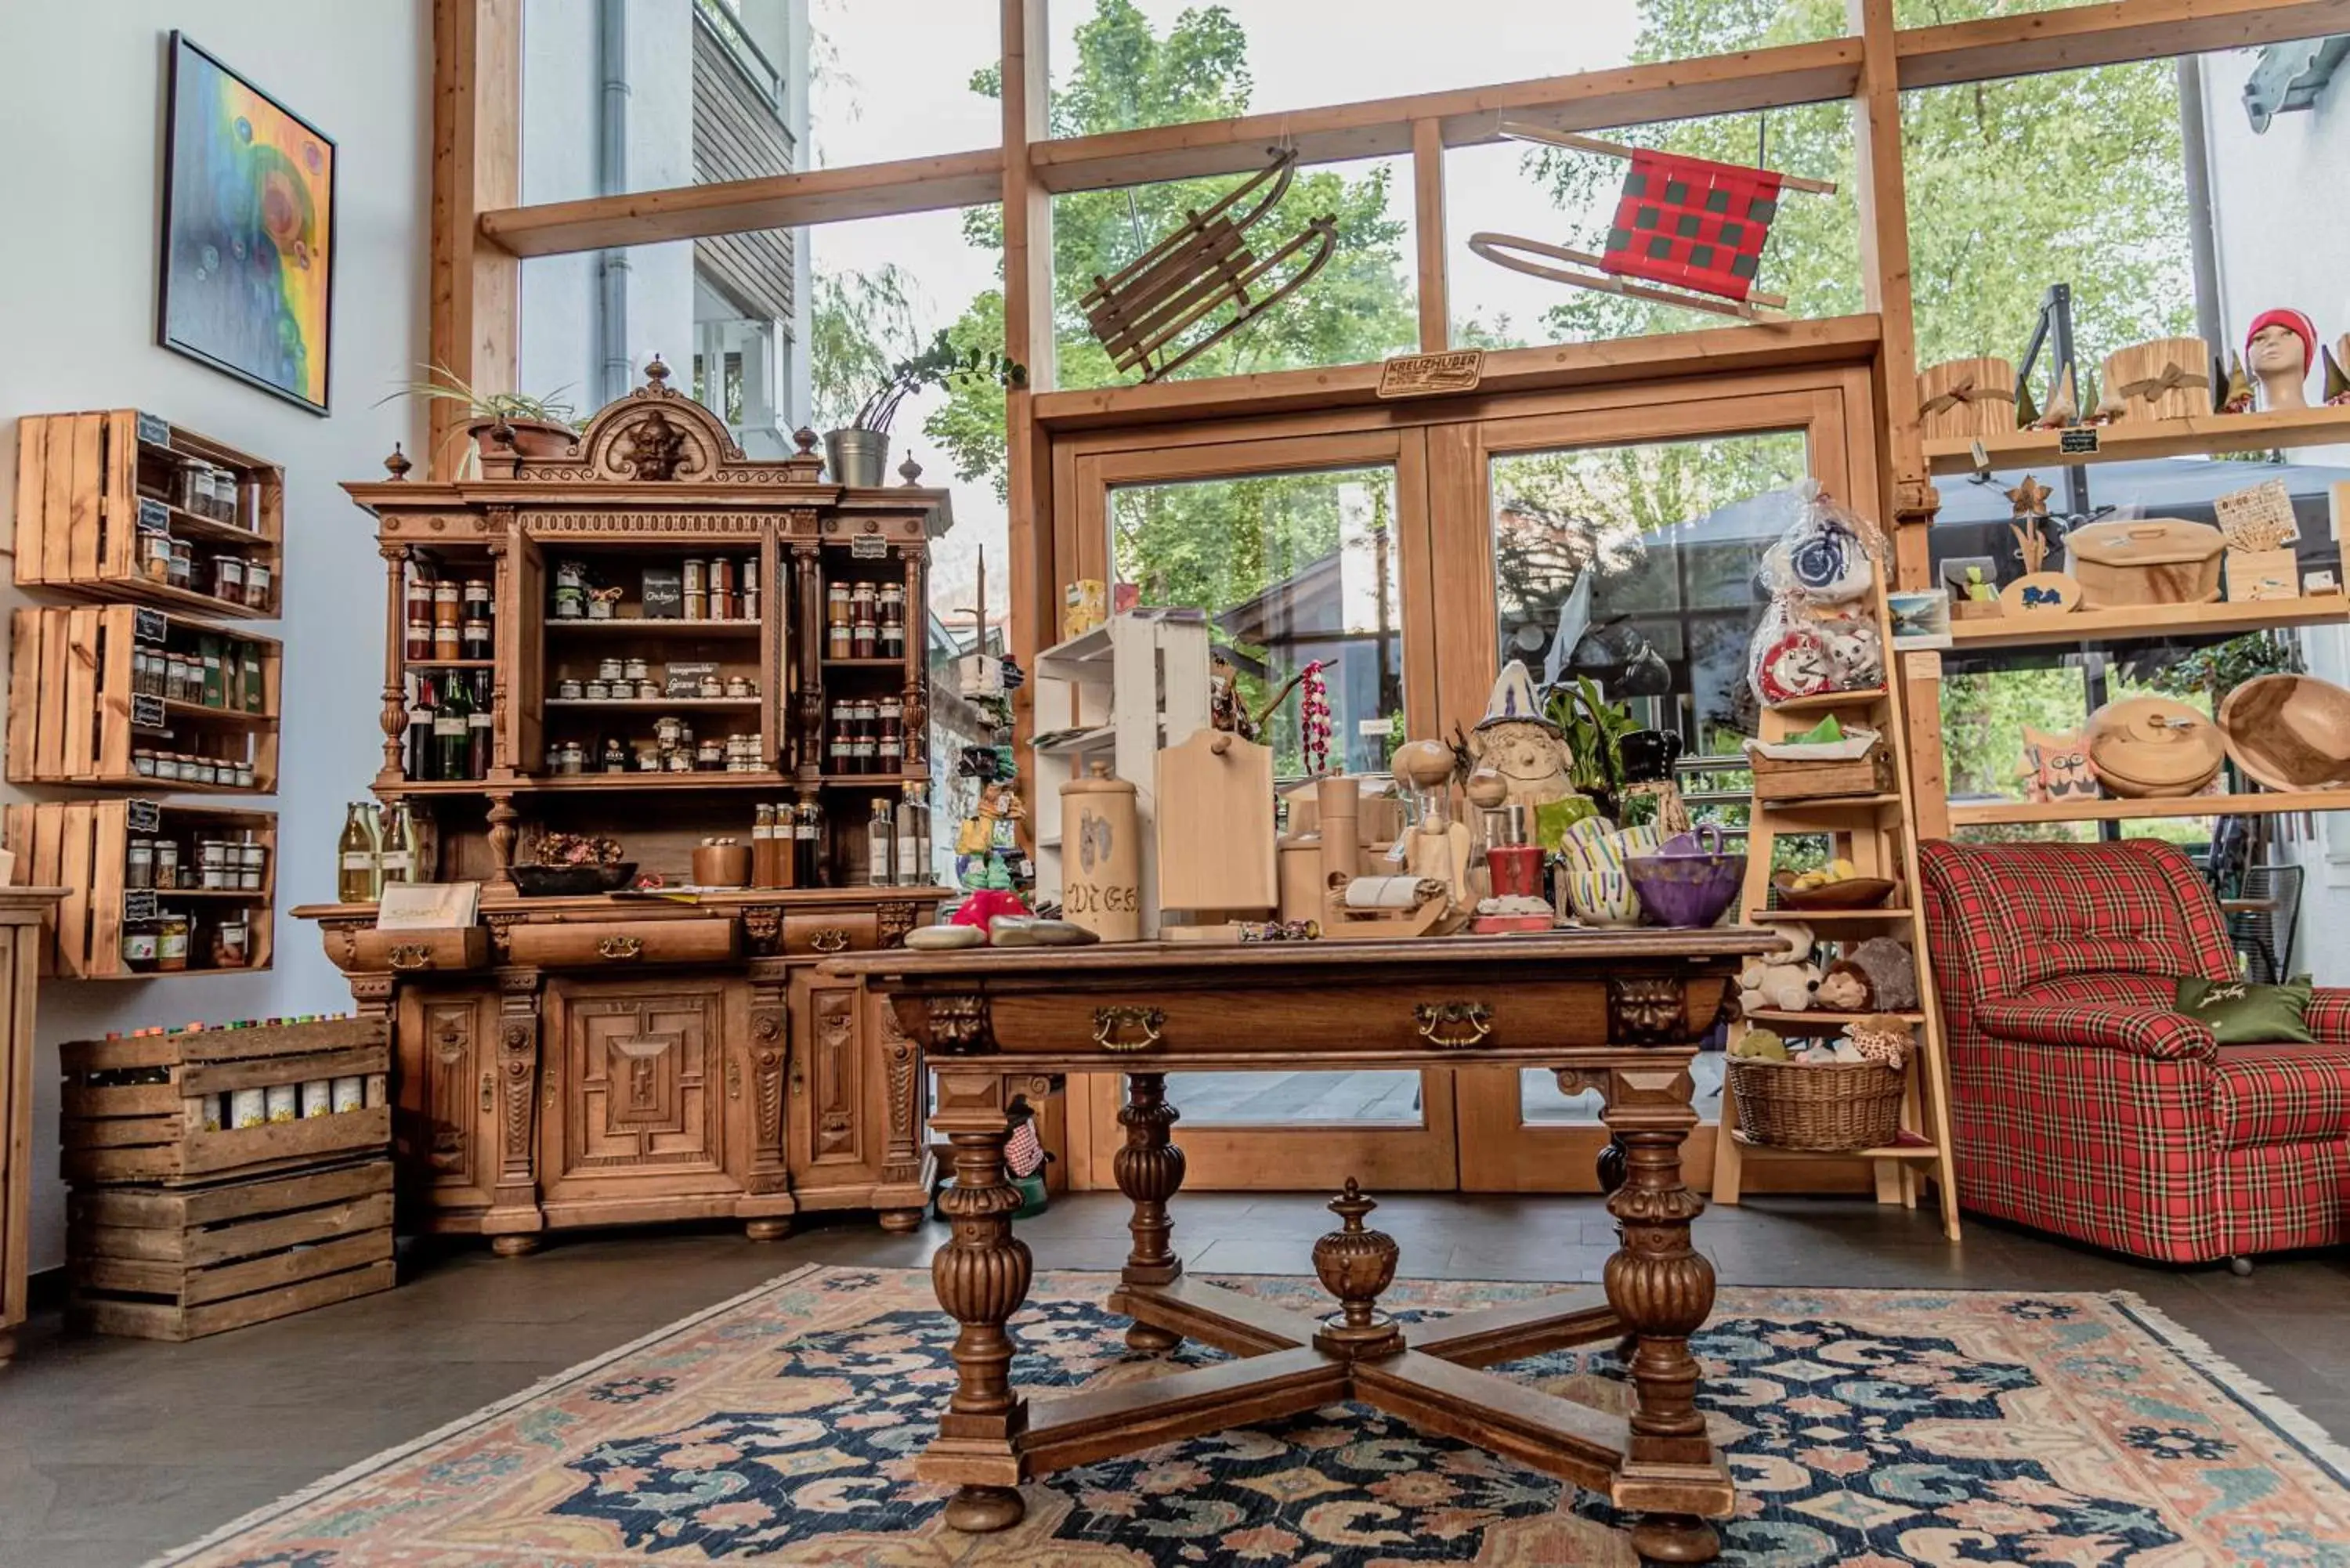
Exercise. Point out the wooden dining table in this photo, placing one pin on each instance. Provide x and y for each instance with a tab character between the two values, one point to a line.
1619	1011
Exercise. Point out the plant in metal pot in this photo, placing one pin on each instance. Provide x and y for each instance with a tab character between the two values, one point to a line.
543	426
858	453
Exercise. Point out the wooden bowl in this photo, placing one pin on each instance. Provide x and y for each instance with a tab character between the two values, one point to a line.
2153	748
2289	731
1852	893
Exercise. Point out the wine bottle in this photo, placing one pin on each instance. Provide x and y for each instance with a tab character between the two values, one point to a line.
396	863
807	834
420	732
911	871
478	727
879	833
451	733
354	860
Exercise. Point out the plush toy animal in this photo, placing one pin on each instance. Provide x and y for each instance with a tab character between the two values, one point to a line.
1880	975
1881	1037
1777	987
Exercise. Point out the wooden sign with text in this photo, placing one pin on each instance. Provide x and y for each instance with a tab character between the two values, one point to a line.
1432	375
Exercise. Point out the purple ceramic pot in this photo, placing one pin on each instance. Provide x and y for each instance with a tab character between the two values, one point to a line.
1686	883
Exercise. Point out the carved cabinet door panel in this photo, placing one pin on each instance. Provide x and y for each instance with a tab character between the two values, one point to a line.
444	1114
640	1109
835	1134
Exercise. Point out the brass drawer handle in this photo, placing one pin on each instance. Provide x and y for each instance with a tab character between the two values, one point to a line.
408	957
617	947
1111	1026
1454	1025
831	939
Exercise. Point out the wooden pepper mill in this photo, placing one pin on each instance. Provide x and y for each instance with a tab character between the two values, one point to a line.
1356	1265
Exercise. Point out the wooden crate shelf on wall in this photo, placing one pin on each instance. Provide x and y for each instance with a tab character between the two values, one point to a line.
93	488
82	845
76	715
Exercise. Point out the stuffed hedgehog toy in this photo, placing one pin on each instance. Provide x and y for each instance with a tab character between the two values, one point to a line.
1879	975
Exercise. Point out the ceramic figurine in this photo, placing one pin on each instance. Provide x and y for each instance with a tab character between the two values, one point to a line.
2280	347
2064	409
2056	767
1517	743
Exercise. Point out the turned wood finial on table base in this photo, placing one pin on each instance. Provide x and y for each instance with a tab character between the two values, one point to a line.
1354	1265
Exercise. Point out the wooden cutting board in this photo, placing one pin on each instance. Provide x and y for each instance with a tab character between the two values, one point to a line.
1214	806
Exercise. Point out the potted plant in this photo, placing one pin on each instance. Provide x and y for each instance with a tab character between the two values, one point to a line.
535	426
858	453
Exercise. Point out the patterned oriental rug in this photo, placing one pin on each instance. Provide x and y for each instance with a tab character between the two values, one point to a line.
1864	1427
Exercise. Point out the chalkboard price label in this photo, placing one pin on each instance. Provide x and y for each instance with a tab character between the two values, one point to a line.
142	817
146	711
149	624
139	905
869	547
2077	443
154	430
154	517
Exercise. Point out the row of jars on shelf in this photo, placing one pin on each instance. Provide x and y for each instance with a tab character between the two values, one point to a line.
222	673
632	679
190	767
868	735
449	618
211	864
162	945
172	563
672	750
865	621
208	490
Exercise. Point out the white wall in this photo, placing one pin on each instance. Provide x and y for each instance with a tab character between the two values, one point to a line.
78	318
2281	235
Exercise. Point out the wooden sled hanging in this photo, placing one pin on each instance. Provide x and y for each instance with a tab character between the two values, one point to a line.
1691	225
1204	265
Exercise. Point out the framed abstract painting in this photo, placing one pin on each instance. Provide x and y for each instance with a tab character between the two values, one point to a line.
248	263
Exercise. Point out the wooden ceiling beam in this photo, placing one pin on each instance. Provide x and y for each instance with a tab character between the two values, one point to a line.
2105	35
1468	117
946	180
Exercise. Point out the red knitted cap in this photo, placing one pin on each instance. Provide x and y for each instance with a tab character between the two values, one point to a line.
2293	321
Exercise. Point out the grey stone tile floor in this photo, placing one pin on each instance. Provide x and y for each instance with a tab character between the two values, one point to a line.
113	1450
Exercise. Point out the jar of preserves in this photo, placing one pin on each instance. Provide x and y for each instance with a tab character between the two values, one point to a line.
634	670
167	862
609	670
172	943
232	941
139	863
256	585
139	945
228	579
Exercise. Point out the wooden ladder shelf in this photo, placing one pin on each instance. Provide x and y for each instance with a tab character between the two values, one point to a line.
1876	833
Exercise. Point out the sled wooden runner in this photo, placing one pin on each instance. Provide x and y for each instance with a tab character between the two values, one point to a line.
1140	312
1619	1012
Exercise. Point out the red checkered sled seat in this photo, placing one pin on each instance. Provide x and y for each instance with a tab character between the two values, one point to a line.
2082	1102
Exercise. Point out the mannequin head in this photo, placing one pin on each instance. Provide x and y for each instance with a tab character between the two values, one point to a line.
2279	351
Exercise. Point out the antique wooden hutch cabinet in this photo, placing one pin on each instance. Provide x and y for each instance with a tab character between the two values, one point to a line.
680	643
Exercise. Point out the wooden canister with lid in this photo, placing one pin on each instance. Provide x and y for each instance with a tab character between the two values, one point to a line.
1101	859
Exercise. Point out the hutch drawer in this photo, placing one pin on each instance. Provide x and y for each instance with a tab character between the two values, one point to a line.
827	932
615	944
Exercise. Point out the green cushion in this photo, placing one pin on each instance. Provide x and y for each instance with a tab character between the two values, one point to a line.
2239	1012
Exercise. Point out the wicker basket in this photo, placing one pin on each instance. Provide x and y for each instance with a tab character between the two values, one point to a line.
1824	1107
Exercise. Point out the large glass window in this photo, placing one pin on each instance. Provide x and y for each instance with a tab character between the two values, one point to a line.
1291	569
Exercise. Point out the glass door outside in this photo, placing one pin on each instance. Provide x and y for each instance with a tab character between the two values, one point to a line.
1300	551
1621	547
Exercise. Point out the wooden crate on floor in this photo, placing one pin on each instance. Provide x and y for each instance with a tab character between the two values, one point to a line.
147	1109
77	715
93	488
82	846
157	1263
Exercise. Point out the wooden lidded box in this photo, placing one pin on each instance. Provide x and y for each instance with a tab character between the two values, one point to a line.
121	505
2146	561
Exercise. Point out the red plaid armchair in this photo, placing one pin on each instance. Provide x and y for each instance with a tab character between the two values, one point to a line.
2082	1103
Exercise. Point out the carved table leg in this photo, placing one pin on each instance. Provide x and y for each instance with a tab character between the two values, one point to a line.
1662	1289
1150	1171
982	1276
